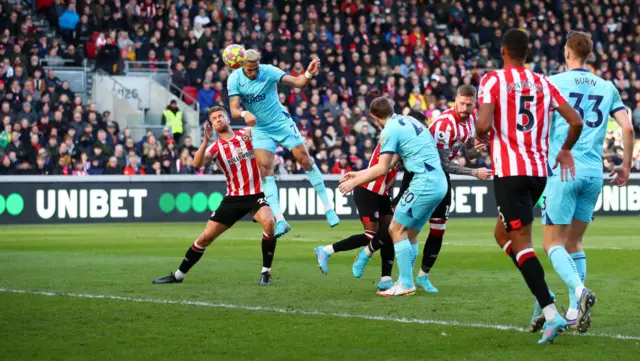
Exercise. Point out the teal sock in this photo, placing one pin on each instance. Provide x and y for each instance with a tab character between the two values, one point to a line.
403	255
580	260
565	267
414	255
270	190
315	178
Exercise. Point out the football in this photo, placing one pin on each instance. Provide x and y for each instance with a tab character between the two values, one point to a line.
234	55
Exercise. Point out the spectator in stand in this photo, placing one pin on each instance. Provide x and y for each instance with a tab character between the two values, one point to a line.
206	97
68	21
342	166
134	167
172	117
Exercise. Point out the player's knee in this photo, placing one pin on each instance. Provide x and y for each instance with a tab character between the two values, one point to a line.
306	162
269	226
266	170
205	239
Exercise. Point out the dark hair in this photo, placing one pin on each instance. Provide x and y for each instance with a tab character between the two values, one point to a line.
580	43
218	108
466	91
381	107
516	42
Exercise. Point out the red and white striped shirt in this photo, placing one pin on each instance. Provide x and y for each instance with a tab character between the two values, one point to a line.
521	121
451	133
235	158
385	183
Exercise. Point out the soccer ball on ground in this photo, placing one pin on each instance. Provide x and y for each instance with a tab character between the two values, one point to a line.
234	56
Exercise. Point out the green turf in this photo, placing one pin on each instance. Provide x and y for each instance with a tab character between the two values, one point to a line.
477	282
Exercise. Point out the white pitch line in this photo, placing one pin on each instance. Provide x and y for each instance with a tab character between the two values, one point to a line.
303	312
492	245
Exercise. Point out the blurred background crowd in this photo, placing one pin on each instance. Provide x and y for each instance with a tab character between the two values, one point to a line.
416	52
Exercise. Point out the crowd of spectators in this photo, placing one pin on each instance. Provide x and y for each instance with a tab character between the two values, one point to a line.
416	52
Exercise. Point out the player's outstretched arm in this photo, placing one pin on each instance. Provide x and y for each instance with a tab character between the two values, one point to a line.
485	118
454	168
354	179
622	171
302	80
238	113
203	157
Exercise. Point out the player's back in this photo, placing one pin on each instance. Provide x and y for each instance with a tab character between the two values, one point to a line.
413	142
523	100
594	99
260	95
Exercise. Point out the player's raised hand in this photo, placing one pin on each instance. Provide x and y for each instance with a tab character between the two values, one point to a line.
250	119
621	176
567	165
314	66
483	173
208	132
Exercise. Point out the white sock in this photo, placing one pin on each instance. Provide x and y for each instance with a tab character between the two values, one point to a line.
578	291
328	249
179	275
279	218
572	314
386	279
265	269
422	273
550	312
368	251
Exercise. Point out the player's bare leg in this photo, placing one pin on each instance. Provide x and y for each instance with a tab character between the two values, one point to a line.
212	231
302	156
406	254
266	163
573	245
353	242
533	274
265	217
502	239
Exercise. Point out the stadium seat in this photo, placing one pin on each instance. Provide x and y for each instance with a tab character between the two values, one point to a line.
192	93
91	49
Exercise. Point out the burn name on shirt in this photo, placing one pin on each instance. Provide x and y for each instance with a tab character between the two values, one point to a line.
585	80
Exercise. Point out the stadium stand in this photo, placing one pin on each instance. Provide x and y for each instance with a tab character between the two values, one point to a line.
416	52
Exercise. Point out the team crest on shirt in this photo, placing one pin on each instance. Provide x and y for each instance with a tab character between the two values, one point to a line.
442	136
245	138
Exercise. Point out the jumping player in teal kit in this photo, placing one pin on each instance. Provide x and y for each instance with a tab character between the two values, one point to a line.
255	87
404	138
567	207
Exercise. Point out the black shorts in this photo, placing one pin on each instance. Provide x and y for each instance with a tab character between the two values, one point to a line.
232	209
371	206
516	197
442	212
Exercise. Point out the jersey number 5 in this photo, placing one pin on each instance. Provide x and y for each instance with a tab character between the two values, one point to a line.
525	102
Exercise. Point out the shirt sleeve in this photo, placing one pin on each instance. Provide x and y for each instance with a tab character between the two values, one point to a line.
616	103
232	85
213	151
489	88
388	141
556	98
442	131
273	73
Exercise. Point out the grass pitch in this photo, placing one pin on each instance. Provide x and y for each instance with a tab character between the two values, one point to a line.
84	292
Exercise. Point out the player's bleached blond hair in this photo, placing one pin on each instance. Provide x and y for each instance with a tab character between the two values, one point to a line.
252	56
